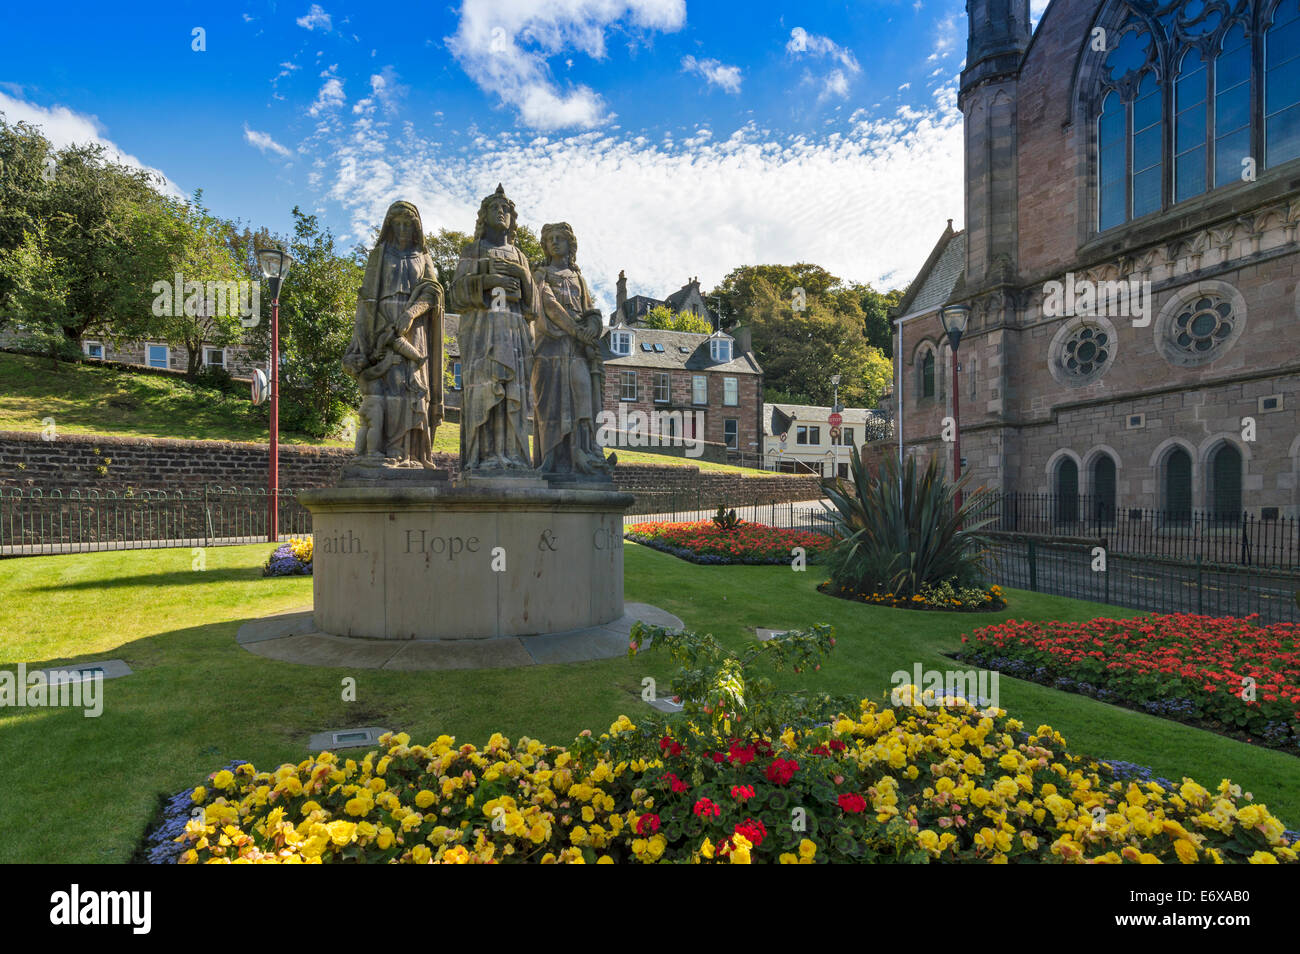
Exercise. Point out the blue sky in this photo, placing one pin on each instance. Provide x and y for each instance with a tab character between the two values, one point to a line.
678	137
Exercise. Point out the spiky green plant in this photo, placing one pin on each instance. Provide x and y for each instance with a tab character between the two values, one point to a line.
898	531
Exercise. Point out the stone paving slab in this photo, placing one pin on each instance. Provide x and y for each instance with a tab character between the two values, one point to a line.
293	637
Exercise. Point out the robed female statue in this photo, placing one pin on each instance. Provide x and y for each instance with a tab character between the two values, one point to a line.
494	295
396	351
567	371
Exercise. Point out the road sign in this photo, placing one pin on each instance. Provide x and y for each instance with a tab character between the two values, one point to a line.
836	420
261	387
835	434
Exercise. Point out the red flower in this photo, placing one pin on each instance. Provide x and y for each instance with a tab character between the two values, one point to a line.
781	771
705	808
743	754
755	831
742	792
852	803
666	744
647	824
676	783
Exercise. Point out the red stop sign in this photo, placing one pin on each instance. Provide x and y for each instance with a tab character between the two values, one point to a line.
836	419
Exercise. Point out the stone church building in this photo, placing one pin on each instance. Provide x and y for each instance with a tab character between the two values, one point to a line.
1129	259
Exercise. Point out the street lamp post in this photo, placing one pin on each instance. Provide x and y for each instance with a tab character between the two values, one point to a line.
954	318
835	409
274	263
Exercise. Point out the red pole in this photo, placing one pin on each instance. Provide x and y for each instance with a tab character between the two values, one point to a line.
273	494
956	432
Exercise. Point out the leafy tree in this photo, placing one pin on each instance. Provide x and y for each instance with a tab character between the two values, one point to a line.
665	319
740	286
100	224
36	283
800	350
317	307
203	254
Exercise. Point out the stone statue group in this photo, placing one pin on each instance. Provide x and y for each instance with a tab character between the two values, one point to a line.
529	342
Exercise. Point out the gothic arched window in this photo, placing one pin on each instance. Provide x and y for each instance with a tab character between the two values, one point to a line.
1231	107
1189	127
1230	73
1282	85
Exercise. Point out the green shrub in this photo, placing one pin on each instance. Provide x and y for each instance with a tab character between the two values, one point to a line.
899	531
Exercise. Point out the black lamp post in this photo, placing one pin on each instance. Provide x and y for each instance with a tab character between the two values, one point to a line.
954	318
274	263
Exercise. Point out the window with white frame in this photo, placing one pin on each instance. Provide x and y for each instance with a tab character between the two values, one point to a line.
720	349
158	356
730	392
730	431
215	357
93	349
700	389
628	381
620	342
806	434
661	387
846	437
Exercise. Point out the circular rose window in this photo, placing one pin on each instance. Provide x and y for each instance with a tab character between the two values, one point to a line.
1081	351
1200	323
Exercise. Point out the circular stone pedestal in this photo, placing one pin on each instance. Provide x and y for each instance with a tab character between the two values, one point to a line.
500	558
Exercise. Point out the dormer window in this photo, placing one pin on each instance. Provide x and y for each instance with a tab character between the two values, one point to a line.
720	348
620	342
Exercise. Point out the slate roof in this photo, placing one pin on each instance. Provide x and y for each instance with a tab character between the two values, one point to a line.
682	351
940	274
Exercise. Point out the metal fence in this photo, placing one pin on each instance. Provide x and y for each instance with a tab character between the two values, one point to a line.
688	506
1238	537
1072	568
33	522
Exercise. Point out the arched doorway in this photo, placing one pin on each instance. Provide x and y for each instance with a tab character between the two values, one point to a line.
1103	490
1178	486
1067	491
1225	484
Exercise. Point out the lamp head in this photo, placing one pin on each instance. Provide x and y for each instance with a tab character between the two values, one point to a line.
954	318
274	263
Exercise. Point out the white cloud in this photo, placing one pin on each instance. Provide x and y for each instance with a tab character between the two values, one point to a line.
264	142
504	48
65	127
836	82
384	92
1036	8
945	38
315	17
864	202
330	97
718	74
801	41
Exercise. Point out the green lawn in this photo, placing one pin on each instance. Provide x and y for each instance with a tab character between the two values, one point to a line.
79	789
95	399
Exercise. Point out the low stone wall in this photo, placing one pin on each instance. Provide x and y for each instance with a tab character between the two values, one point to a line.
118	464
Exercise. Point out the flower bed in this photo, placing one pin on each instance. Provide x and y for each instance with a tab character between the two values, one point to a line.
911	784
704	542
1231	675
946	597
290	559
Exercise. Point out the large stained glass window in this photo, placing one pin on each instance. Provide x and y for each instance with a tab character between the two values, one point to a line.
1282	85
